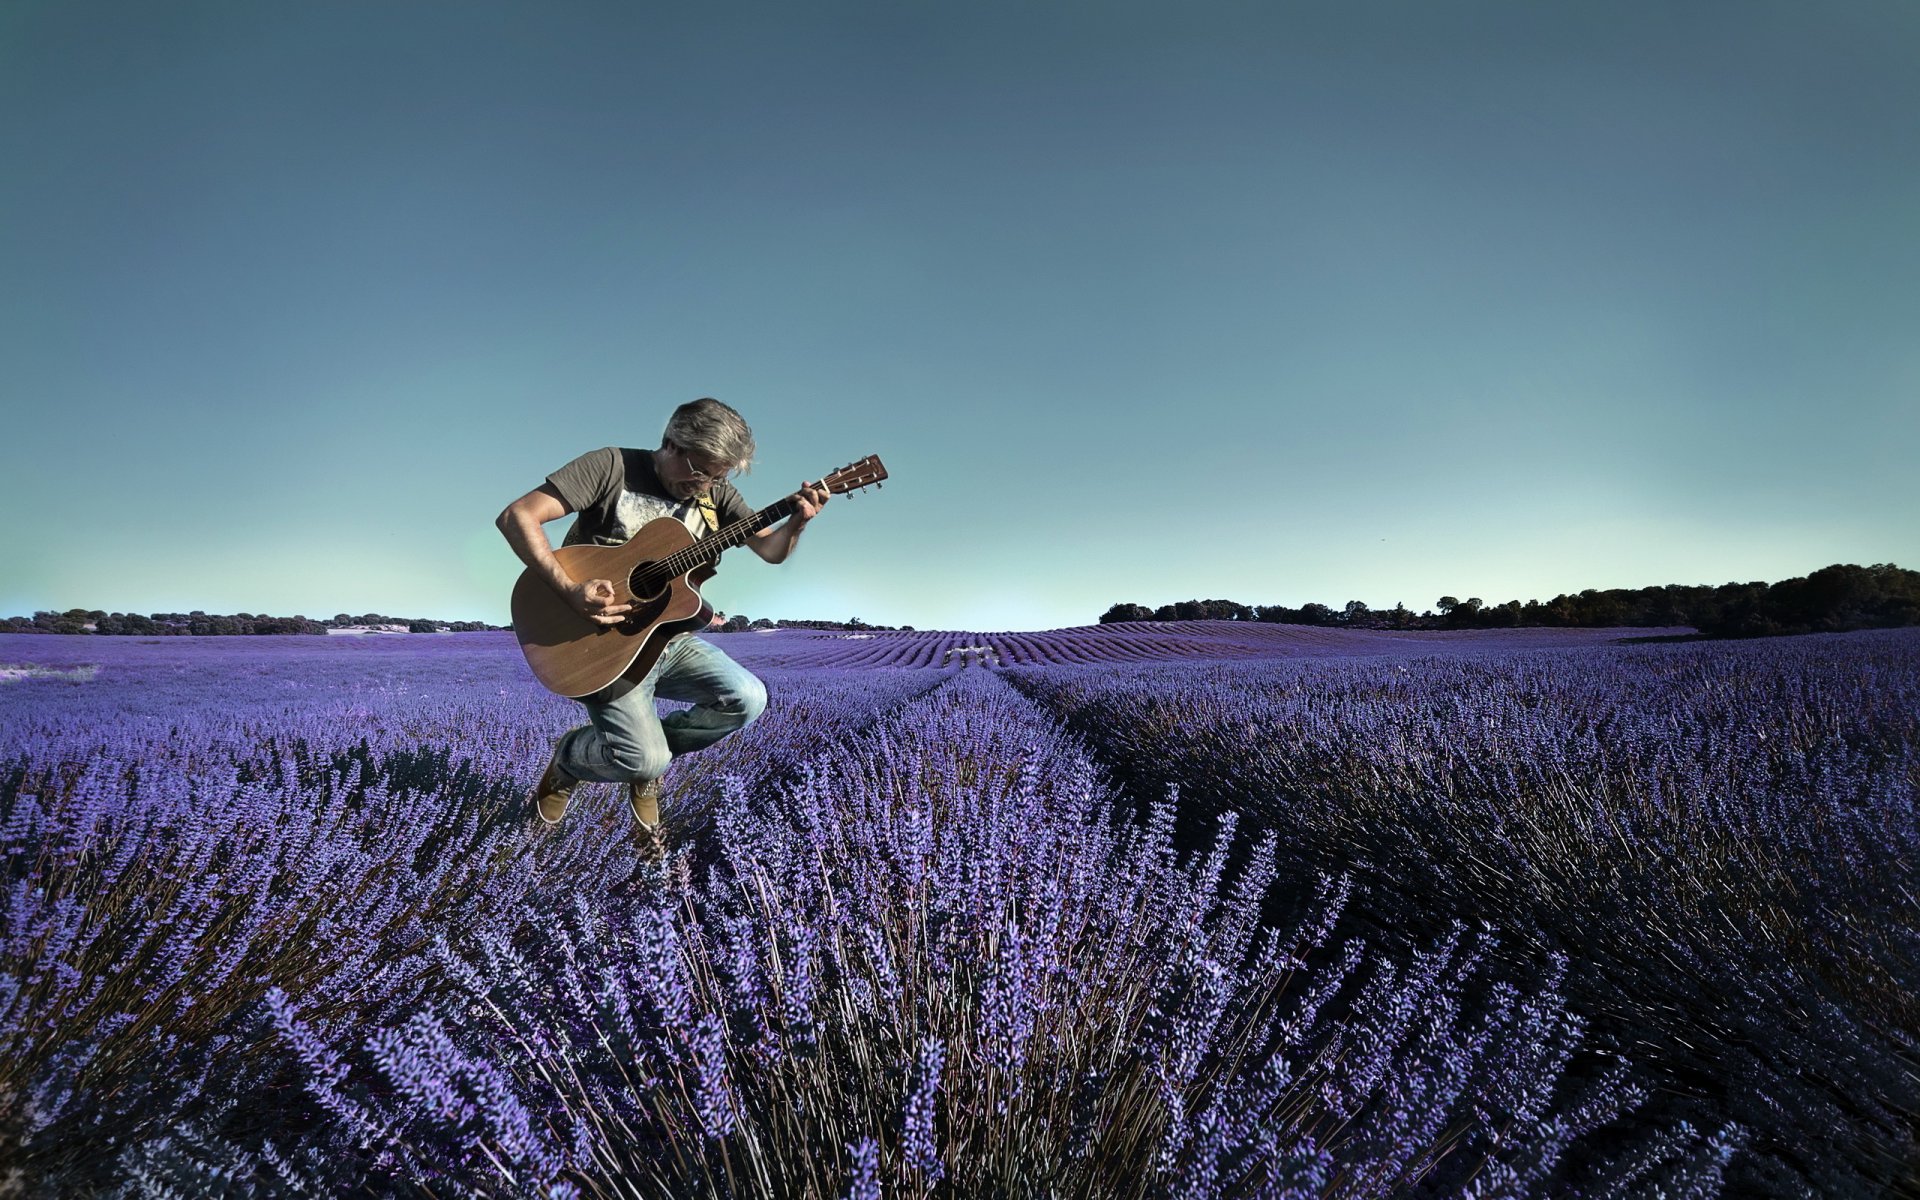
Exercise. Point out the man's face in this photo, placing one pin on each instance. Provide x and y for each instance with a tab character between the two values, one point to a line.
687	475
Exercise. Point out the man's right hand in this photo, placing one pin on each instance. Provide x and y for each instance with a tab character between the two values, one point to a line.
597	601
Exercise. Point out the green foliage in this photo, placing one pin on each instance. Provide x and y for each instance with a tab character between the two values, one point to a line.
1831	600
197	623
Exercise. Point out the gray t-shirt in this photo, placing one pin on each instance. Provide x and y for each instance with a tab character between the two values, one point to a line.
616	490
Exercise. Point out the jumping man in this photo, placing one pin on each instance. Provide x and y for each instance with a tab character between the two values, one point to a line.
615	491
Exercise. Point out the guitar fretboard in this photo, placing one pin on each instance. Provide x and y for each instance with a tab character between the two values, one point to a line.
648	578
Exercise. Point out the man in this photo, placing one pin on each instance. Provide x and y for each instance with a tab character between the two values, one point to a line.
615	491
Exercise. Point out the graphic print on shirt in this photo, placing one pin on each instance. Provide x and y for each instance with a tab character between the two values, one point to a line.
635	509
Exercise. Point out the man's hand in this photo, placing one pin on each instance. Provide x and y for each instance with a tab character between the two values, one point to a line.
597	601
775	544
808	501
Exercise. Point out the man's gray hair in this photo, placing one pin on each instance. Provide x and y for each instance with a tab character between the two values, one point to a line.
713	431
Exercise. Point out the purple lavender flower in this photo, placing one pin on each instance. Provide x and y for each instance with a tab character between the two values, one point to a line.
866	1170
917	1139
713	1096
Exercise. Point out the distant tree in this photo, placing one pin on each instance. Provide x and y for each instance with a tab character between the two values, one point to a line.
1460	614
855	624
1597	608
1314	613
74	620
1183	610
1658	606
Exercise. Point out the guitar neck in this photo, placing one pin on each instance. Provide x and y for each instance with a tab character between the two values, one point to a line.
708	549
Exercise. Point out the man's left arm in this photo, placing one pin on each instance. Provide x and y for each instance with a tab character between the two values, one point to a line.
777	543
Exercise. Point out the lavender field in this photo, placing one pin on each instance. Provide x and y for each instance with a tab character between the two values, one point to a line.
1185	910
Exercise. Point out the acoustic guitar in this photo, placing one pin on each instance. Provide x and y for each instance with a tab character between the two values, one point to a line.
659	571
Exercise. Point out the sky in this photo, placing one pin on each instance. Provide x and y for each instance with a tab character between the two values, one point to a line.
1138	302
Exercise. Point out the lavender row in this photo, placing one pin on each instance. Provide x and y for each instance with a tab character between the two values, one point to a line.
1722	835
1182	642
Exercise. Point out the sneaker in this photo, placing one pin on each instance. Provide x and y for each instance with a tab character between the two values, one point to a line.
551	794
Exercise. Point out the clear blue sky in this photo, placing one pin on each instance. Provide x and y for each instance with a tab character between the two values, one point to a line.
1266	301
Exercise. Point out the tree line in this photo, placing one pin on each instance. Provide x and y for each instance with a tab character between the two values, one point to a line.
200	624
738	623
1832	599
1835	598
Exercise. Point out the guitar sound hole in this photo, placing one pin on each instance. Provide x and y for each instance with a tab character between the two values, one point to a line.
646	585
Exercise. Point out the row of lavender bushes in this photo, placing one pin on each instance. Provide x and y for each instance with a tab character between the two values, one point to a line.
309	946
1722	839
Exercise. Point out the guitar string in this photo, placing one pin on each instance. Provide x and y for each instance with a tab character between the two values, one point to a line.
724	538
727	537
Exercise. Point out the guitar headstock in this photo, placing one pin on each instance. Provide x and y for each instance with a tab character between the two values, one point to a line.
855	476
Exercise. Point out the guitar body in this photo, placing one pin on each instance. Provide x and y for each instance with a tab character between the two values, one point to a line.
577	657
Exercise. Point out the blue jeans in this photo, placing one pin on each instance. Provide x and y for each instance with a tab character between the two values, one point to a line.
628	741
